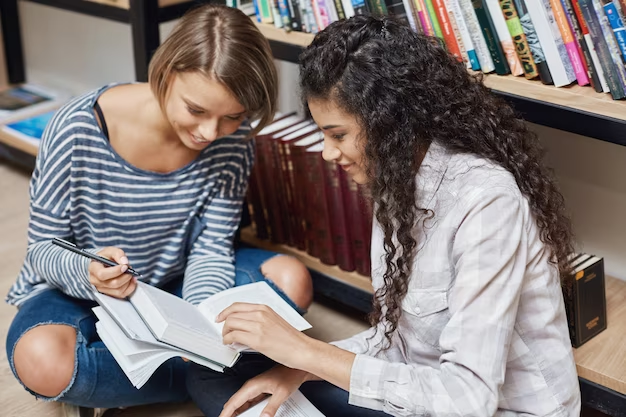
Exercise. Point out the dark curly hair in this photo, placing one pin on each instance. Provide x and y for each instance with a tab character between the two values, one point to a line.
407	91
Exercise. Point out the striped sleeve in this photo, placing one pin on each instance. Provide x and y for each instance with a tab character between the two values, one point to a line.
210	266
49	210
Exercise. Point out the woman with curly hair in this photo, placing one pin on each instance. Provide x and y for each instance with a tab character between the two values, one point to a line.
469	243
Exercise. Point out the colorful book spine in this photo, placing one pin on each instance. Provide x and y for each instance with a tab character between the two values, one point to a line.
455	9
617	25
519	39
583	49
422	12
614	51
590	46
558	38
489	32
533	42
446	28
478	39
541	20
604	54
569	42
503	35
432	14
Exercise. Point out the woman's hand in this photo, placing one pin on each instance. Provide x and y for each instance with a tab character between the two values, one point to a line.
112	280
279	382
260	328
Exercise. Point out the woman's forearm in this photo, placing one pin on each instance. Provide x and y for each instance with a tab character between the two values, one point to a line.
327	362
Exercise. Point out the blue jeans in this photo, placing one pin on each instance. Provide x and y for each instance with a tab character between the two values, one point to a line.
97	380
210	390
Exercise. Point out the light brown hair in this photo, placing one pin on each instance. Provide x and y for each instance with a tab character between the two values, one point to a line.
224	44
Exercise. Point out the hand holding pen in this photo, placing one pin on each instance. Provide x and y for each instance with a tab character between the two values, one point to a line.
109	271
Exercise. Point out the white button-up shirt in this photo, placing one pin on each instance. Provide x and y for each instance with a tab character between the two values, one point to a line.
483	330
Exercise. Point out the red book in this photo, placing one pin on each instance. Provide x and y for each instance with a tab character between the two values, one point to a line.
295	159
355	221
337	215
366	205
317	209
266	167
282	150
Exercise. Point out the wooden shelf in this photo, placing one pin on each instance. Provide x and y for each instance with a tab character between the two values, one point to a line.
350	278
602	359
574	109
18	143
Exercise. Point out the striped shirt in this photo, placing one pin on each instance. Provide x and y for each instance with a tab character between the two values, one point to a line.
170	225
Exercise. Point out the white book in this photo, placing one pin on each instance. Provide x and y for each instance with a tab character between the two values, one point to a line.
560	70
154	325
296	405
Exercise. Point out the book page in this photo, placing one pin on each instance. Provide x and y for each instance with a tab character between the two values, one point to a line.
256	293
126	317
170	310
296	405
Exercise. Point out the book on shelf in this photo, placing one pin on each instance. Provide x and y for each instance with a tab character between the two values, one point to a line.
297	405
152	326
25	100
586	302
29	129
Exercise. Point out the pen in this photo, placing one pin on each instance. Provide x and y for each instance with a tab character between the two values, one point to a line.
73	248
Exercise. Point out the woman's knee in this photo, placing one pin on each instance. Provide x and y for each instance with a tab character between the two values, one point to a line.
291	276
44	358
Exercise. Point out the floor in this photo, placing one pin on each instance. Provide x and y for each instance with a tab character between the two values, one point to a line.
329	321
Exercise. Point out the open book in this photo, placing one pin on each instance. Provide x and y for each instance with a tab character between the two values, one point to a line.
153	326
296	405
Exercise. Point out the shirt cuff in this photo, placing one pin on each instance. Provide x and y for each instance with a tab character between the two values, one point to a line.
367	382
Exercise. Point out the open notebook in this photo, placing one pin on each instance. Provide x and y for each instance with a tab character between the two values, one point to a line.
153	326
296	405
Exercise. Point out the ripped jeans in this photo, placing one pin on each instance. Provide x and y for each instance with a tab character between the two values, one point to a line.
98	381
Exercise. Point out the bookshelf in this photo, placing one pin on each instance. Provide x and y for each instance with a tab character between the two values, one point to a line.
350	288
573	109
144	17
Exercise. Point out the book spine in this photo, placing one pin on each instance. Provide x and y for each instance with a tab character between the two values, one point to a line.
365	202
617	25
466	39
583	50
255	206
411	15
322	241
348	10
359	6
422	12
502	33
591	46
613	50
519	39
302	185
541	21
558	38
569	42
296	17
285	15
337	214
432	14
533	42
478	39
446	28
489	32
356	225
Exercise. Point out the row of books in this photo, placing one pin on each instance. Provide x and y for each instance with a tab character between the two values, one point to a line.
557	41
298	199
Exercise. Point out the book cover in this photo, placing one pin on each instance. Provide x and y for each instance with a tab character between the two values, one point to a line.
491	38
30	129
533	42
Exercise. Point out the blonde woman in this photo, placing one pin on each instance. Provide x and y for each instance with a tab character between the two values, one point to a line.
152	175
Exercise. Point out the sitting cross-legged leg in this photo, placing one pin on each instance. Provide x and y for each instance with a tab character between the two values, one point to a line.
55	353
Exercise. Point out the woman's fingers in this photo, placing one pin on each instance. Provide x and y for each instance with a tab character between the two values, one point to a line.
275	401
248	392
